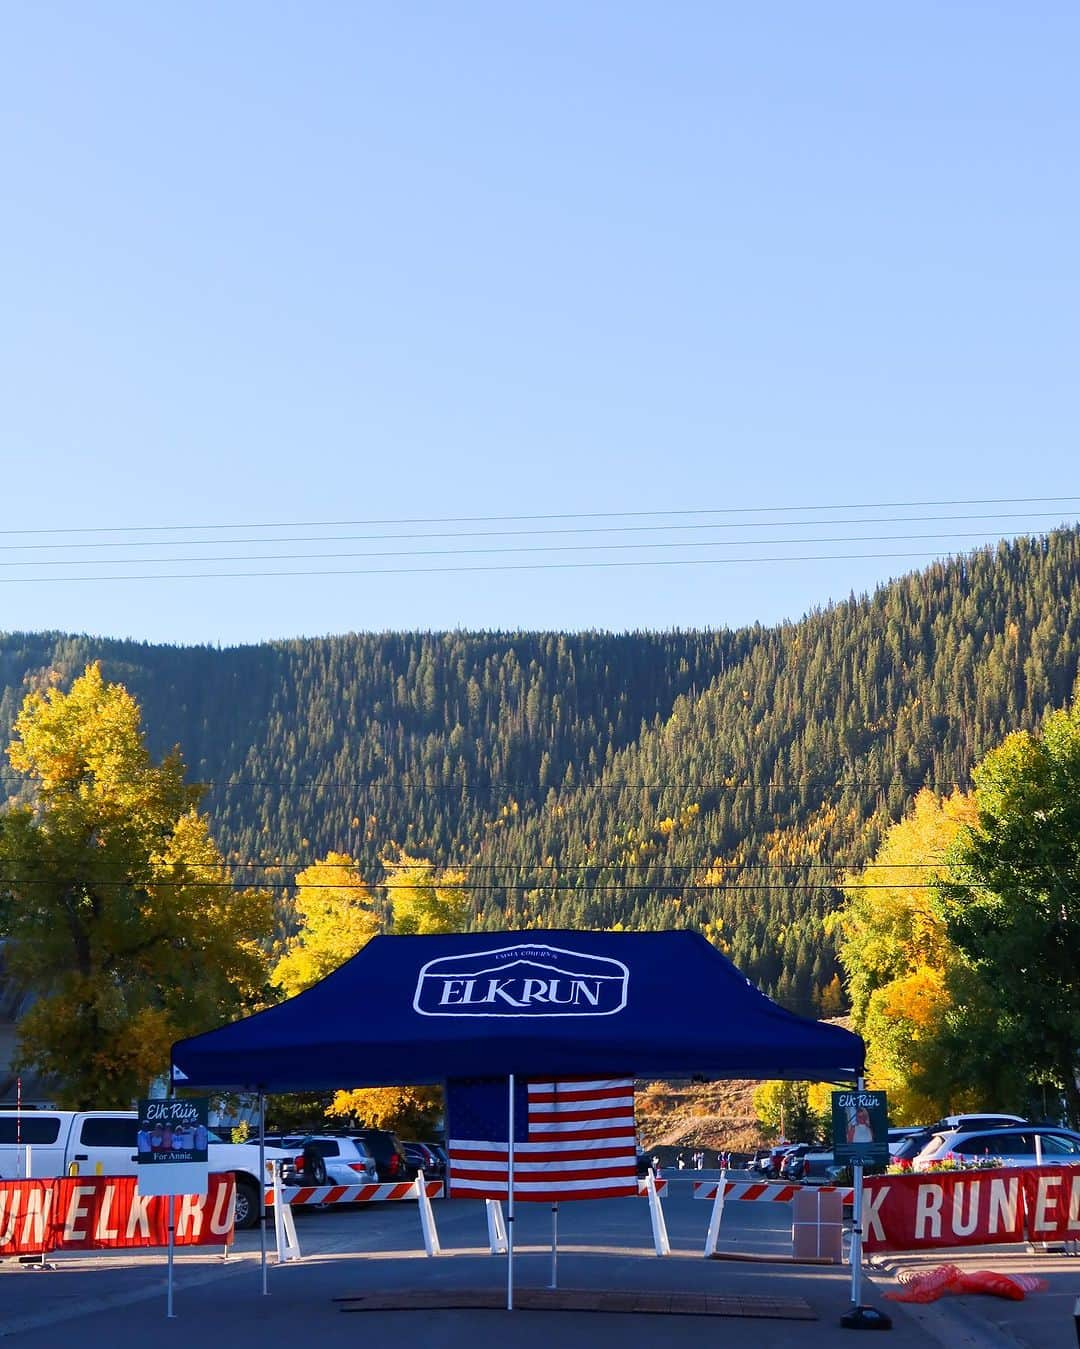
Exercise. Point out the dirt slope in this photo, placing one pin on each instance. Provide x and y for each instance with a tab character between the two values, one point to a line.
709	1115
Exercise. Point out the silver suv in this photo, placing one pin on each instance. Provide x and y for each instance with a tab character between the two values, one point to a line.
1011	1145
326	1159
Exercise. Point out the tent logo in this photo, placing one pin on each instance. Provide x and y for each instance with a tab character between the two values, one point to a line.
524	980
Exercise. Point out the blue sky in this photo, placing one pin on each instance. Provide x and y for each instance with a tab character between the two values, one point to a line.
284	265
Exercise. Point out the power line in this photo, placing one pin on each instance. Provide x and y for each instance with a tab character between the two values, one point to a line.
562	548
522	533
560	515
445	571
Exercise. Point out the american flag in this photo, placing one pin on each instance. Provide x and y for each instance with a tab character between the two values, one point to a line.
573	1139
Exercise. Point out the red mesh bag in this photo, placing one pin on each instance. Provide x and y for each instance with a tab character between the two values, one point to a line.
929	1286
1030	1283
925	1287
1000	1285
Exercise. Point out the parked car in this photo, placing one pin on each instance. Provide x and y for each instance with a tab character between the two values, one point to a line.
1012	1146
326	1159
776	1157
978	1121
907	1149
762	1162
423	1157
390	1159
790	1157
816	1167
444	1159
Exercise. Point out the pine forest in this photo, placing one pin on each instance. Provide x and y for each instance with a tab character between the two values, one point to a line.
725	780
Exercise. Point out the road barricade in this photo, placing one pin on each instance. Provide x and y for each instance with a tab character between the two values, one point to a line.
650	1187
766	1191
817	1214
281	1199
643	1187
353	1194
94	1213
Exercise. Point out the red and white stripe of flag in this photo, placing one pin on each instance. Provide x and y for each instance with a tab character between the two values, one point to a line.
581	1144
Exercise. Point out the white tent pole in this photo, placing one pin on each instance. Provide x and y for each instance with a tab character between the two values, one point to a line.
856	1226
510	1204
262	1190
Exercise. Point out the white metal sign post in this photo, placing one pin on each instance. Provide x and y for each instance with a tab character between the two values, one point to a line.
171	1144
262	1192
860	1134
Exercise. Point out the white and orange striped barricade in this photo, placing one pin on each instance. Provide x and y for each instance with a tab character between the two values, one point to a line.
724	1191
765	1191
643	1187
324	1196
496	1222
321	1195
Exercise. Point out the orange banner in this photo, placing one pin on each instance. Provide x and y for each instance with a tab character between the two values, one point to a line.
93	1213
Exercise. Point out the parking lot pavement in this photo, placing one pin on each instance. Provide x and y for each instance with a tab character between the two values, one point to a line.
118	1299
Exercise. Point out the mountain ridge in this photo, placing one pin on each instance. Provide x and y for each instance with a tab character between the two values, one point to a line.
722	779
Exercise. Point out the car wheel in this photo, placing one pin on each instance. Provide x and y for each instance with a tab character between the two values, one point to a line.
314	1166
247	1204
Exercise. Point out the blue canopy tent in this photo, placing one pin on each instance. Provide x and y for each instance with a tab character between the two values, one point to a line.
411	1010
546	1004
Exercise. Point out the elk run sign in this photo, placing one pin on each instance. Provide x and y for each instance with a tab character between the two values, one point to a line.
522	981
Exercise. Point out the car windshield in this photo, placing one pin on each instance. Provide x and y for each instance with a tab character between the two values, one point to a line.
910	1147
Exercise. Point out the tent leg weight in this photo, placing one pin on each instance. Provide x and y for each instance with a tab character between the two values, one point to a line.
865	1318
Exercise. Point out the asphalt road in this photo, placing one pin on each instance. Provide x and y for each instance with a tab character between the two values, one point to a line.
117	1301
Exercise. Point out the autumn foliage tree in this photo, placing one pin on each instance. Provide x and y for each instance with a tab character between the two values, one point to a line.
896	953
425	899
798	1112
115	906
335	917
1011	906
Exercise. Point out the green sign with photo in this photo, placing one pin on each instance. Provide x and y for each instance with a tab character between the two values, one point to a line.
860	1127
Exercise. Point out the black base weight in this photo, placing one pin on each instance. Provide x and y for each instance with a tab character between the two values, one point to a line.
865	1318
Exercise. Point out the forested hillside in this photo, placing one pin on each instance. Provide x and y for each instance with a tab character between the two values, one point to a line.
721	779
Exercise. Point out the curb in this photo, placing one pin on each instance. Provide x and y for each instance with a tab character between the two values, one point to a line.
948	1322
